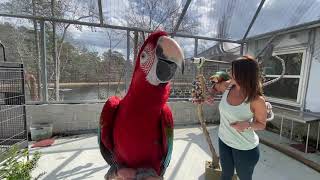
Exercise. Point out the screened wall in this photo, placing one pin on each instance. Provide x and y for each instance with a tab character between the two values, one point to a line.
83	50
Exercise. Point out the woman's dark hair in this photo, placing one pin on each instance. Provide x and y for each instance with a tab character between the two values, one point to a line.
246	72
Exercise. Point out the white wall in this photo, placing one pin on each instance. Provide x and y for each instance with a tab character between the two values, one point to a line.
313	91
293	40
73	117
280	42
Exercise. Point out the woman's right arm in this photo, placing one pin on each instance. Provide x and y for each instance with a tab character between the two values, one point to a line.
221	86
218	88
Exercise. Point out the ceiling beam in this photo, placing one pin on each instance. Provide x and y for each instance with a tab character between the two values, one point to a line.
253	19
292	29
40	18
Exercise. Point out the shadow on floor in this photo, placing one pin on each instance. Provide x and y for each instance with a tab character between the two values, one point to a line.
201	141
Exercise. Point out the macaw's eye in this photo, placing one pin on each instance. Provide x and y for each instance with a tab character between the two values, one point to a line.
144	57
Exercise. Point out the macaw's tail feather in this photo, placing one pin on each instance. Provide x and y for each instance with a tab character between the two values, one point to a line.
106	154
104	151
167	132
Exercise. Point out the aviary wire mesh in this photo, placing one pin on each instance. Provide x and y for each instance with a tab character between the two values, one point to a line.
13	129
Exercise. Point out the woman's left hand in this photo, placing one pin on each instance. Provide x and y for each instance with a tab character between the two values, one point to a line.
240	126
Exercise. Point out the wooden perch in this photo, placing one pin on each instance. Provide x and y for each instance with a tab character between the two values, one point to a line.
214	156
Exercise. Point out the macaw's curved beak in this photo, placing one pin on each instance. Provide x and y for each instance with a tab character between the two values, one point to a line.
170	57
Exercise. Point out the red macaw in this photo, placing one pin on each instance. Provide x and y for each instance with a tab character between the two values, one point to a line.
137	131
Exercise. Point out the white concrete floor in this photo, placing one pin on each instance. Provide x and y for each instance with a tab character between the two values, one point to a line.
78	157
285	142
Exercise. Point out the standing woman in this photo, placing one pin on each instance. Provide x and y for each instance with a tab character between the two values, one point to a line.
242	112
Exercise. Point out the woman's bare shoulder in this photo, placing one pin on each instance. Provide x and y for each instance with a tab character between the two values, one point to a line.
258	102
260	99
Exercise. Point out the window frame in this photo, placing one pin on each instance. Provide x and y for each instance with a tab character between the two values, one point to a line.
302	76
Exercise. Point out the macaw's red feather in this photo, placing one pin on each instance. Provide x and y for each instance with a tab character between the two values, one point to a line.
107	118
134	134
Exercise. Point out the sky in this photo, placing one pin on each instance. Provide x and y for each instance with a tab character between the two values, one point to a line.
274	15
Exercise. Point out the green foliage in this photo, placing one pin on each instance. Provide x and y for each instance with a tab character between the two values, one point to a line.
17	166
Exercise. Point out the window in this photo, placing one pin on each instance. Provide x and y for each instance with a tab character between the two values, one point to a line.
289	88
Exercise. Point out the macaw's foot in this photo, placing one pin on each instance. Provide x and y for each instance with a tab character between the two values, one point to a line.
127	173
111	177
152	178
147	174
132	174
112	174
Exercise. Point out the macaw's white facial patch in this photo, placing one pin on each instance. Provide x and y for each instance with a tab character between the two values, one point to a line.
147	58
152	76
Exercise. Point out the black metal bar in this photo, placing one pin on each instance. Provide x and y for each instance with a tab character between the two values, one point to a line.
241	49
3	51
183	13
253	19
113	27
13	122
24	103
100	12
195	54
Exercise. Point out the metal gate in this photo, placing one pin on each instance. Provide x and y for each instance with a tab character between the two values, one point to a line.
13	126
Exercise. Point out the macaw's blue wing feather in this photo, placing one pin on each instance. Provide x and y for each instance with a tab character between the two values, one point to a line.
167	136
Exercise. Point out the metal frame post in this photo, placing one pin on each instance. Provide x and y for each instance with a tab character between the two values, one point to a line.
100	12
307	141
195	54
318	136
291	130
127	62
44	75
195	47
281	127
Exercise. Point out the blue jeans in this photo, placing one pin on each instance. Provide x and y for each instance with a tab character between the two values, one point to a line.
243	161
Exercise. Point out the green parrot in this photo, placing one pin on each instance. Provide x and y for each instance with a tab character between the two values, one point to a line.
219	76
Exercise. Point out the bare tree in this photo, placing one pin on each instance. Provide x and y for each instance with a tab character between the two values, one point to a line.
114	38
154	14
37	50
70	10
65	9
157	14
